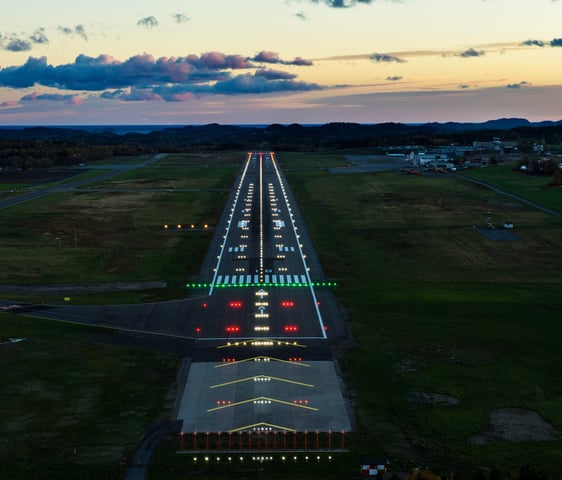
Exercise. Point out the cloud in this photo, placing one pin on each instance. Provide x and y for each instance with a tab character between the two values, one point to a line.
9	103
342	3
532	43
517	86
274	74
148	22
267	57
271	57
218	60
249	83
52	97
383	57
471	52
394	78
300	62
18	45
26	75
145	78
22	43
78	30
180	18
39	36
140	95
556	42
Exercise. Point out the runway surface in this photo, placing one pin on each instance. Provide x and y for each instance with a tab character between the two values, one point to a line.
262	360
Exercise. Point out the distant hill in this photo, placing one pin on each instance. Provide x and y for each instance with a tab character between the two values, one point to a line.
294	136
499	124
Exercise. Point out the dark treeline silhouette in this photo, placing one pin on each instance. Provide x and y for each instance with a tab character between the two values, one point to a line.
48	146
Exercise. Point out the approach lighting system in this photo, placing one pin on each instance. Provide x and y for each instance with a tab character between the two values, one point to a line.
287	304
235	304
233	329
291	328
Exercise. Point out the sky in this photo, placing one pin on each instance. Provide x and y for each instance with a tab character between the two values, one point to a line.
180	62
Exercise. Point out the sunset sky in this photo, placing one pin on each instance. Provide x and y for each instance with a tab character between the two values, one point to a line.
279	61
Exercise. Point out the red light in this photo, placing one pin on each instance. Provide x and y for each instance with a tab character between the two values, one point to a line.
204	305
232	329
287	303
235	304
291	328
198	330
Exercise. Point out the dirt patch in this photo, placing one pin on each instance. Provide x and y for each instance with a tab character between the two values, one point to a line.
420	397
515	425
407	365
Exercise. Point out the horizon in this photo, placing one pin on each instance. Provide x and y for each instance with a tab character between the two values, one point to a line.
262	125
370	62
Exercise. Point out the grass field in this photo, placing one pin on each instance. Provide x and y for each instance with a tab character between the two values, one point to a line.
435	308
72	402
118	234
532	187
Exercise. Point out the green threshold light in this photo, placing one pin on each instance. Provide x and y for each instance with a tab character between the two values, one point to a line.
262	285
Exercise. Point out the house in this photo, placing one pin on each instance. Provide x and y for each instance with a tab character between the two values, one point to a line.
373	466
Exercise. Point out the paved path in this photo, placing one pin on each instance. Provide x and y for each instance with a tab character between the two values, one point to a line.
152	437
516	197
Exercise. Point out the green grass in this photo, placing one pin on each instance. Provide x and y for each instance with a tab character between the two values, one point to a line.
90	236
469	317
72	402
532	187
119	236
478	319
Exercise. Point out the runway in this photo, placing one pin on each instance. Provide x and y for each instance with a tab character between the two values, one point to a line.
262	360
